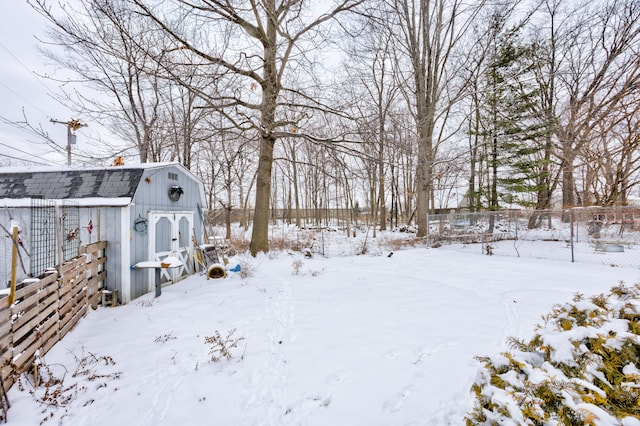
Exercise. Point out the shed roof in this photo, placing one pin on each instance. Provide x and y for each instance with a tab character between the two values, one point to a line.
113	182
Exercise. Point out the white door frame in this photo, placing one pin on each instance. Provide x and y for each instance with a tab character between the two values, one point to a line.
174	218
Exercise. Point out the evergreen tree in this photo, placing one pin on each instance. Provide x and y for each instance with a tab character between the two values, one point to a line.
523	128
513	123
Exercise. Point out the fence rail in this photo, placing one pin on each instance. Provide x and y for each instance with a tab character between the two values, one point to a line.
47	308
608	236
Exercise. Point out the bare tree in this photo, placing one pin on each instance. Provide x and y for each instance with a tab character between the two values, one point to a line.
270	39
185	123
403	166
232	155
294	178
597	66
612	161
108	50
372	93
427	35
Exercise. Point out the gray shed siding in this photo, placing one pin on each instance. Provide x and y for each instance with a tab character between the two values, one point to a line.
152	195
112	223
110	229
107	226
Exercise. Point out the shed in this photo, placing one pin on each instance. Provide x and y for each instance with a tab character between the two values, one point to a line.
144	212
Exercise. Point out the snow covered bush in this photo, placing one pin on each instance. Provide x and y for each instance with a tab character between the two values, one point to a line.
582	367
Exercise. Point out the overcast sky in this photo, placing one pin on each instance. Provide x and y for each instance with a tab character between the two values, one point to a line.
24	91
21	91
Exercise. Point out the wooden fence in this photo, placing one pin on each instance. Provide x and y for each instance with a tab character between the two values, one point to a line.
47	308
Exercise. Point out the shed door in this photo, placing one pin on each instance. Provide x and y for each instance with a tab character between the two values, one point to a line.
170	234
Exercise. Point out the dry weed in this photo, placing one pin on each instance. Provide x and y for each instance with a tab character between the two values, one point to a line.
221	346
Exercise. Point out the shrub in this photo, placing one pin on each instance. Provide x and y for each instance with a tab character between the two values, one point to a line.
247	266
220	347
52	386
404	243
297	265
581	367
236	245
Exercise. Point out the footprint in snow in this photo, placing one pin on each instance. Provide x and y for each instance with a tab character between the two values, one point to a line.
395	404
390	355
336	378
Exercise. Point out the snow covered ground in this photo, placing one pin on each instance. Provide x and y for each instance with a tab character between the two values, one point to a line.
344	340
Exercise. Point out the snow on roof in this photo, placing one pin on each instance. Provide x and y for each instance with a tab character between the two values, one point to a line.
105	184
450	198
81	202
56	168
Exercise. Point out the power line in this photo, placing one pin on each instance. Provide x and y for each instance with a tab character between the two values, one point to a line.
23	159
58	149
21	97
17	149
33	132
38	78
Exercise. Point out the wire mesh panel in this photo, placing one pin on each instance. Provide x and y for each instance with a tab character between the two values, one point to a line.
43	236
609	236
70	218
468	228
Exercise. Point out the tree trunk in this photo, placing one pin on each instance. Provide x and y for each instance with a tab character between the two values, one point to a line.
227	213
296	191
260	231
424	169
270	91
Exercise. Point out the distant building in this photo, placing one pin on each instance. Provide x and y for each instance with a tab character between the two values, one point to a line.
451	200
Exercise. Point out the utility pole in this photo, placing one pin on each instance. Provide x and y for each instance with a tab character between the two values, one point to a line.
74	125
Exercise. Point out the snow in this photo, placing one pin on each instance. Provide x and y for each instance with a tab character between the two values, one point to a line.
59	168
343	340
167	262
84	202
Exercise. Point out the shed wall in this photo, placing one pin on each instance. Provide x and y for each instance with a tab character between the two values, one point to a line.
123	228
152	195
107	227
95	224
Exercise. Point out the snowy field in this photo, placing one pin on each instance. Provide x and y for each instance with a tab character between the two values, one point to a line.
582	252
343	340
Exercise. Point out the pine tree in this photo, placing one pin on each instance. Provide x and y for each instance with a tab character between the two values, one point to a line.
515	127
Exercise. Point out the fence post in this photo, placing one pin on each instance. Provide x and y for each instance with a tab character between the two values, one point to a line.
428	242
571	224
58	237
14	263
